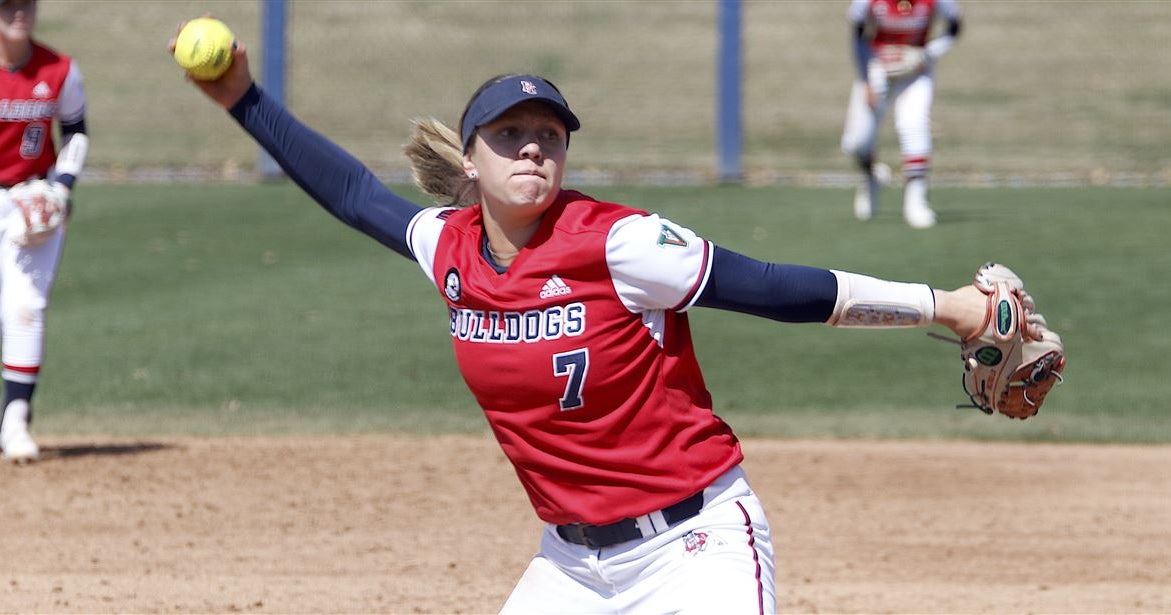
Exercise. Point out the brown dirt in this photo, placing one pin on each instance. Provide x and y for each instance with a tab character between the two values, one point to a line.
429	525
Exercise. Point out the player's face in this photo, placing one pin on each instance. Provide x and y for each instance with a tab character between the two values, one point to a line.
520	157
17	18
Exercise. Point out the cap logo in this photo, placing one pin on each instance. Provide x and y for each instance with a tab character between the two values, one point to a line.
528	87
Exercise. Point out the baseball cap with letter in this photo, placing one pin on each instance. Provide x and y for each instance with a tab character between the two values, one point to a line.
492	101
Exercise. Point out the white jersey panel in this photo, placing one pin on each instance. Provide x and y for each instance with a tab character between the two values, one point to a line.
71	98
948	9
859	11
423	237
656	264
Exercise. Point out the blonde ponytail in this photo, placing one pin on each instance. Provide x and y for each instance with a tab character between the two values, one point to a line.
437	163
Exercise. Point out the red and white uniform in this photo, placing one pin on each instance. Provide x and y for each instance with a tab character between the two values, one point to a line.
48	87
581	357
897	22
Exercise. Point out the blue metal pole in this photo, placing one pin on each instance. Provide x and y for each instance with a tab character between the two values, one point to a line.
728	130
272	23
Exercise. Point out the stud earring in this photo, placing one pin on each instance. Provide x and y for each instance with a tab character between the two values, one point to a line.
473	175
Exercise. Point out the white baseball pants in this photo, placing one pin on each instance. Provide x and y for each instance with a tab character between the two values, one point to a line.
912	99
719	561
26	279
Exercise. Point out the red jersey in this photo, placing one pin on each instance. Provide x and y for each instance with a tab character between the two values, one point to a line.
48	86
581	357
901	22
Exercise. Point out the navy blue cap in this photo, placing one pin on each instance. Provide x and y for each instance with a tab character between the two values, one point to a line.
508	93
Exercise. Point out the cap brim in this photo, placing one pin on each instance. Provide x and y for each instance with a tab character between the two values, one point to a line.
497	99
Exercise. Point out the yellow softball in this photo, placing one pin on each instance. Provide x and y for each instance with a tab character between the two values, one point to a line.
204	48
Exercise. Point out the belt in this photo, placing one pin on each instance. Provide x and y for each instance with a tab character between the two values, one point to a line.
598	536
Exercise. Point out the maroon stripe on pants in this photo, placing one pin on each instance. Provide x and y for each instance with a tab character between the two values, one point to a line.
755	558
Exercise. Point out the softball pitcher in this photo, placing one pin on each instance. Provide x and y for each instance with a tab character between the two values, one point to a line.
896	66
568	317
37	86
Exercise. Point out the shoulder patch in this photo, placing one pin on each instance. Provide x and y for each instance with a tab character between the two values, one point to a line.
670	237
452	287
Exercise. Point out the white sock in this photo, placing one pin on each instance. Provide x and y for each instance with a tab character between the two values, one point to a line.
915	192
15	414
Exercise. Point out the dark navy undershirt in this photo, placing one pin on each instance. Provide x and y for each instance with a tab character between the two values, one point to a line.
788	293
344	187
338	182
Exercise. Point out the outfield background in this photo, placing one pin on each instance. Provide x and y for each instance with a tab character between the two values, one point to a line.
217	306
1064	91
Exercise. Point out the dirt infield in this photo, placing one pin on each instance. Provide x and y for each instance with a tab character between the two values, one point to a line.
440	525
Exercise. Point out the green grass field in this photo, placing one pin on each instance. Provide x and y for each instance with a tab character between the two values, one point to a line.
245	309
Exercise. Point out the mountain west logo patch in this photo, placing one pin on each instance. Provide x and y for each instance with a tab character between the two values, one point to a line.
671	237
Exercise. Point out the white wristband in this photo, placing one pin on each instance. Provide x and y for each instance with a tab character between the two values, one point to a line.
871	303
939	46
71	158
876	77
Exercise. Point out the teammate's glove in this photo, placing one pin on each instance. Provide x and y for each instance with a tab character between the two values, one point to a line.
42	206
899	61
1013	361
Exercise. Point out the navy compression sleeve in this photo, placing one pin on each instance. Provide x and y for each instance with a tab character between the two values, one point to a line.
789	293
953	27
861	50
338	182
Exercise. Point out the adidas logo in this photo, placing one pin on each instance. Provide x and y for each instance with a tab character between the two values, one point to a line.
42	90
555	287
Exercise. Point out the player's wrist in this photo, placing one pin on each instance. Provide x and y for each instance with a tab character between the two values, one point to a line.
961	310
937	47
65	183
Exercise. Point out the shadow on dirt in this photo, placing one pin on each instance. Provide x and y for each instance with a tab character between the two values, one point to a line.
102	450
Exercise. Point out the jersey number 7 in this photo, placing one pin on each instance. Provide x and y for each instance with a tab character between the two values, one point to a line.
574	364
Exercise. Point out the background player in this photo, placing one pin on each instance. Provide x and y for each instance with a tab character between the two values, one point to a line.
896	65
568	320
37	85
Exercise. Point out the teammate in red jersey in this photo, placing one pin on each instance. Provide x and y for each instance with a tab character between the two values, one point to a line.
37	86
569	322
896	67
